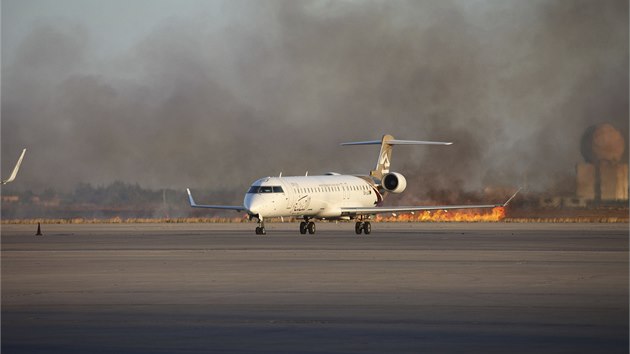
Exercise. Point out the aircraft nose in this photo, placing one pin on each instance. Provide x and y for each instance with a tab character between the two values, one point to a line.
253	206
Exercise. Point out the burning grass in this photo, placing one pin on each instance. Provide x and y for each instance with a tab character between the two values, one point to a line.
464	215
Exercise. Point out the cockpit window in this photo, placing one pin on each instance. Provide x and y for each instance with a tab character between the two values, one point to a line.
265	189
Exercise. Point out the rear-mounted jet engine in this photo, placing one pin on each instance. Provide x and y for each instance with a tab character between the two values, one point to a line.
394	182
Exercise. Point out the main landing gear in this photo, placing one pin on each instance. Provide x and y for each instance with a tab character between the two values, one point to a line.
307	226
363	226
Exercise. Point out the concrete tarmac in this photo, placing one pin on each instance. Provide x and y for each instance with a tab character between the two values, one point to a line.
406	288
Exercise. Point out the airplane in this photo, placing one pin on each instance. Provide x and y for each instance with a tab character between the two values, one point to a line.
333	196
15	169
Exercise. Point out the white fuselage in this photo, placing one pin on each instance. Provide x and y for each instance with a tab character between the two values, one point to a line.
310	196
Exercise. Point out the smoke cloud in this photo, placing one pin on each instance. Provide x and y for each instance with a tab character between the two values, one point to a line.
277	85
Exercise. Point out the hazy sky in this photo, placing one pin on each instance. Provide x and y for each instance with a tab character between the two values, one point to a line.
214	94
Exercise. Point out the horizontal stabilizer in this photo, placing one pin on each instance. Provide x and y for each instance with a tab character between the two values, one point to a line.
385	155
398	142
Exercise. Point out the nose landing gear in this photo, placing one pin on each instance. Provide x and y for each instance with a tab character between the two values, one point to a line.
260	229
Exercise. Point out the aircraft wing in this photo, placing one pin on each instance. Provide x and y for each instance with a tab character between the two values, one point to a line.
404	209
223	207
15	169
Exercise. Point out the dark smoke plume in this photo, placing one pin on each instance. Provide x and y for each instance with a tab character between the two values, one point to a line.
279	84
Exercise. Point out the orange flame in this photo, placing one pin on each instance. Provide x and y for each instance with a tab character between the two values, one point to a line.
464	215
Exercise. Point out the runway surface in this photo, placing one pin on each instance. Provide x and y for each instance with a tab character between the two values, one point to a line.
406	288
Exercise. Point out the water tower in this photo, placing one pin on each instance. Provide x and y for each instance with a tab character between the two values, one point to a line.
602	177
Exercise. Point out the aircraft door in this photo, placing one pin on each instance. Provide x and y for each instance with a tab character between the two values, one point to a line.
289	196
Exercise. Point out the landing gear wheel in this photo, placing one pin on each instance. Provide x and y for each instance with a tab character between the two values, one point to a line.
311	227
303	227
261	231
358	227
367	227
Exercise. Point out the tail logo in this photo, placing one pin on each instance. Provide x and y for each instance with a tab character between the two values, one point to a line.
384	161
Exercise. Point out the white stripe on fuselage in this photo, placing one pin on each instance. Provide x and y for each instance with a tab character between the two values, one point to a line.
315	196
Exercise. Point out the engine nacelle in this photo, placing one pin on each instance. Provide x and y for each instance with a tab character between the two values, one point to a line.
394	182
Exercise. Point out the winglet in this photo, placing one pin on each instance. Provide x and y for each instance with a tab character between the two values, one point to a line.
190	198
15	169
223	207
512	197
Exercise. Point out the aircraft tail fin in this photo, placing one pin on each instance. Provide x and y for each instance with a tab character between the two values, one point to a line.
385	155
